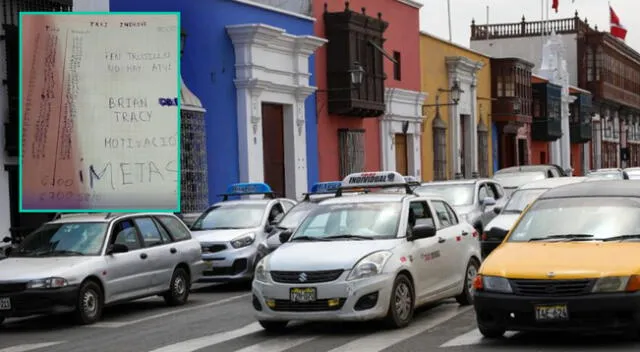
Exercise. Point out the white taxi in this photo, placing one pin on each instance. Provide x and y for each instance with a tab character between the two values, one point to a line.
371	256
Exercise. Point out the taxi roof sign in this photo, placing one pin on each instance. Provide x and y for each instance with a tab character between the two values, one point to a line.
378	179
245	189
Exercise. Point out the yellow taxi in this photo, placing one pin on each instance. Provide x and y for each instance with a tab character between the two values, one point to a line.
571	262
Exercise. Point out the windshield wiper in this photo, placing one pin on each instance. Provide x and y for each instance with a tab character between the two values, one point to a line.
308	238
63	252
348	236
622	238
220	228
570	237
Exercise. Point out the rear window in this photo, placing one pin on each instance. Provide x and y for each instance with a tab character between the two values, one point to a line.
177	229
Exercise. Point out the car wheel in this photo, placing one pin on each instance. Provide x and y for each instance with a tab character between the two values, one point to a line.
272	326
493	332
401	303
466	297
178	293
90	303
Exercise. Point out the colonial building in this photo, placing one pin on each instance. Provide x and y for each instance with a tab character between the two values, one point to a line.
369	99
457	133
596	62
251	65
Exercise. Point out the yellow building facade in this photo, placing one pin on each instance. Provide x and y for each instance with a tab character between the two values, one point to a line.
457	135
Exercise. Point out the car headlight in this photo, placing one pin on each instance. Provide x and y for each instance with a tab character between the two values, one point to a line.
261	273
243	241
496	284
370	265
611	284
50	282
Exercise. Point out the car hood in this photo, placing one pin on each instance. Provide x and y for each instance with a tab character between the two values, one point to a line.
567	260
26	269
502	221
464	209
301	256
221	235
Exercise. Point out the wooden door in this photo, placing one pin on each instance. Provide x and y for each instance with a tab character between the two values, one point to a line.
273	147
401	153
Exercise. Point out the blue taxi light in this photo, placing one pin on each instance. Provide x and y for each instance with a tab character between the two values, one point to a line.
326	187
248	188
373	179
410	179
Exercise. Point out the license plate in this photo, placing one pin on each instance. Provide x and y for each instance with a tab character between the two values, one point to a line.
5	303
554	312
302	295
208	264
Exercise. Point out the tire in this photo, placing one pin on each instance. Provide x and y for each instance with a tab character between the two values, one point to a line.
178	293
479	228
466	297
273	326
491	332
90	303
401	303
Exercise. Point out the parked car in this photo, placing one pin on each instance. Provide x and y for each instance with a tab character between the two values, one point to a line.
472	199
497	229
366	257
633	173
511	181
81	263
231	230
607	174
550	170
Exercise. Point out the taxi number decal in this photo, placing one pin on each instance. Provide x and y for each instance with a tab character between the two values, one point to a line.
431	255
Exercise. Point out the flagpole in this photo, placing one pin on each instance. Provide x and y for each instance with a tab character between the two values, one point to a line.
449	17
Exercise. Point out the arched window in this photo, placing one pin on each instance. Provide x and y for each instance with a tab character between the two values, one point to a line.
439	149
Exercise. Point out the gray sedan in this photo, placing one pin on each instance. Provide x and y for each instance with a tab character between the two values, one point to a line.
80	263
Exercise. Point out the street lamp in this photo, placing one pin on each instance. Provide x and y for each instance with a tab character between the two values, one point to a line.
454	94
357	73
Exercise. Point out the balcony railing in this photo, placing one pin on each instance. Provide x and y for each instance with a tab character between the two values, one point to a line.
528	29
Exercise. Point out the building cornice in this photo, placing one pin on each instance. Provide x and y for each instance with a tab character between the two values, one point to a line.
445	41
275	9
462	64
261	34
412	3
403	104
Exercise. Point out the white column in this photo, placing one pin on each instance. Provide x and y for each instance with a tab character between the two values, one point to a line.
454	132
415	156
296	148
474	128
565	140
387	147
250	156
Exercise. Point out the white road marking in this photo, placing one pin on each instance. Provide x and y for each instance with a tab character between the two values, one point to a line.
473	337
206	341
382	340
120	324
30	346
278	345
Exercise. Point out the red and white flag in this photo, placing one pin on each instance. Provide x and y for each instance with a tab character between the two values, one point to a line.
554	5
617	29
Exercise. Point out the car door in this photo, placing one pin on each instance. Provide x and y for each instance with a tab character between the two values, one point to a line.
486	211
424	253
450	243
466	236
158	252
127	274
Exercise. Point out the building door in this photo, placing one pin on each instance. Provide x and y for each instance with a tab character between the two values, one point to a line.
401	153
522	152
273	146
509	150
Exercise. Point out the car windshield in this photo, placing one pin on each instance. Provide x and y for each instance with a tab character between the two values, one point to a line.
579	219
230	216
454	194
351	221
295	216
63	239
521	199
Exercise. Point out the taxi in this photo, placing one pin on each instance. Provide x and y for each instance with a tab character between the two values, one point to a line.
570	262
376	255
231	230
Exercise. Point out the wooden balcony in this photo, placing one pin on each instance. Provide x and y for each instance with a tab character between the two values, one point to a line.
580	132
545	129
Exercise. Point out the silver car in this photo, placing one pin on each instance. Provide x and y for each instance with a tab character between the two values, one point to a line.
80	263
633	173
364	257
512	180
607	174
472	199
231	231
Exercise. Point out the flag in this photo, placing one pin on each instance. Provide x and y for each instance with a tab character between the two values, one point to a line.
555	5
617	29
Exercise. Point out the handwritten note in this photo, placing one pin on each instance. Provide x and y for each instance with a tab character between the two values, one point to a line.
100	112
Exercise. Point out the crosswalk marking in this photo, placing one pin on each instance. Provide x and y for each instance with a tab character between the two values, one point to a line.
278	345
379	341
473	337
206	341
30	346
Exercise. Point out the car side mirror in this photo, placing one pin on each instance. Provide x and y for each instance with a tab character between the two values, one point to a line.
488	201
117	248
285	235
268	228
6	239
497	209
422	231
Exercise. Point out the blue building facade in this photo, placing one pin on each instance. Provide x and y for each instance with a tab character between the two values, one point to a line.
252	67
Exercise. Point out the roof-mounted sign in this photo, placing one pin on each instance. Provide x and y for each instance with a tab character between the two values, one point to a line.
245	189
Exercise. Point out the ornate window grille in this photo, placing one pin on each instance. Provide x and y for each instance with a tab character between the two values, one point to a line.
439	149
351	151
483	149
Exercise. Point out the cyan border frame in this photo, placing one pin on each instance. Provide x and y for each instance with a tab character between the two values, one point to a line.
178	118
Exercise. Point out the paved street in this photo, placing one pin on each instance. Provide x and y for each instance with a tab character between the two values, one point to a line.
219	318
